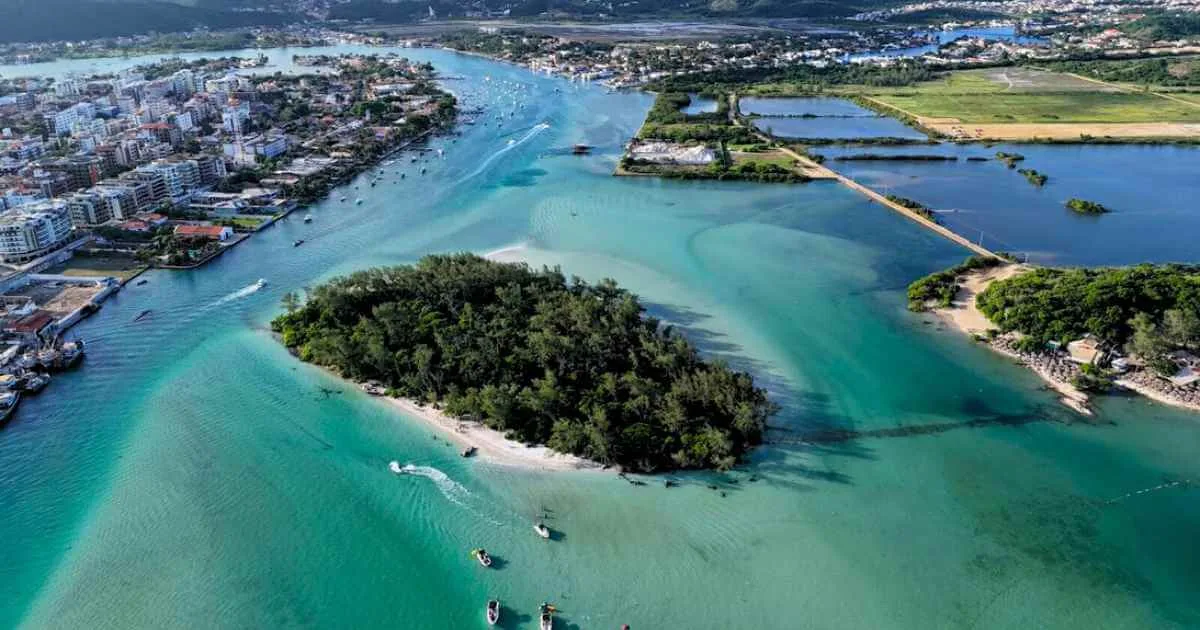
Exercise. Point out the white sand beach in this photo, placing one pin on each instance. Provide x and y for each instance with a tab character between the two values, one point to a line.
967	318
491	445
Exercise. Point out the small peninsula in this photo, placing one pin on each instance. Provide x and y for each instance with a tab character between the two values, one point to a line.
577	367
1082	330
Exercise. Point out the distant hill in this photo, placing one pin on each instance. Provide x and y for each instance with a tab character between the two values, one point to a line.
1165	26
42	20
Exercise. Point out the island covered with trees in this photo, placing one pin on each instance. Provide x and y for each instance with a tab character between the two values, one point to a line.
578	367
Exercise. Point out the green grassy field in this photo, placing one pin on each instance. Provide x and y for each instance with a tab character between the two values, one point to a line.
121	267
1045	107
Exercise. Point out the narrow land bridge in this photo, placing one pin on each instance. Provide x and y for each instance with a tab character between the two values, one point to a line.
819	171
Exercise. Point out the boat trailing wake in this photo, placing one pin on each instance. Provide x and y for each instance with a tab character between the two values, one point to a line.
529	135
453	491
243	292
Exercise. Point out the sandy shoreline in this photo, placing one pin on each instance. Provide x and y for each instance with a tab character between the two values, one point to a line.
967	318
491	445
1054	370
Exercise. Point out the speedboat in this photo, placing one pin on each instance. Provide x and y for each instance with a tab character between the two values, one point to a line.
298	242
142	281
308	218
143	315
394	466
542	530
482	556
493	612
469	451
546	616
260	283
358	202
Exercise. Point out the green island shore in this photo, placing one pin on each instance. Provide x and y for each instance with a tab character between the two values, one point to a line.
544	360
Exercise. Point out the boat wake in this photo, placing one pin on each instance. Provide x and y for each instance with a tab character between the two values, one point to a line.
453	491
243	292
512	144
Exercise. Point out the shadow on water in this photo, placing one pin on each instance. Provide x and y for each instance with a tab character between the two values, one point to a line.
510	618
801	412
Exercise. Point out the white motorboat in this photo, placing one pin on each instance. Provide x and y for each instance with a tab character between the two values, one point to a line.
493	612
542	530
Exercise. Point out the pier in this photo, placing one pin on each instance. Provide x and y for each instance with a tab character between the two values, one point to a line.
820	171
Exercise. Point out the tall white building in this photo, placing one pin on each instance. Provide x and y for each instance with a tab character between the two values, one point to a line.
34	230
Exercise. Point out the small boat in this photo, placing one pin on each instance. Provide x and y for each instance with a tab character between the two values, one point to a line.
142	281
469	451
308	218
34	382
401	175
342	199
546	616
373	388
581	149
260	283
422	170
493	612
8	404
482	556
542	530
394	466
358	202
143	315
298	242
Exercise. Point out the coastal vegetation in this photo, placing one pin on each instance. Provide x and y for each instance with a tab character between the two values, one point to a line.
1086	207
575	366
937	290
1170	72
1034	177
915	206
1149	309
1010	159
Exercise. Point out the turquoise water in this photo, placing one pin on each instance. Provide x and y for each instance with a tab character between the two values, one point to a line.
1152	191
194	474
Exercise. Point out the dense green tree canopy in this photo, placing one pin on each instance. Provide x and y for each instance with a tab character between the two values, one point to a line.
571	365
1063	304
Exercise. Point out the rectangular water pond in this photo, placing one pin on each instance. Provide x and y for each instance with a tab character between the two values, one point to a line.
818	106
837	128
700	105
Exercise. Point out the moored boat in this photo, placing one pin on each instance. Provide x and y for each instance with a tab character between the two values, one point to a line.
33	382
374	388
8	405
482	556
469	451
493	612
308	218
546	616
542	530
